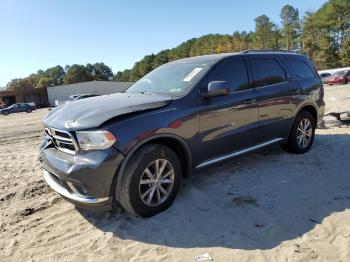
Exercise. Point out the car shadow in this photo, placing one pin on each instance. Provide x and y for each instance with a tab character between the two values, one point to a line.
253	202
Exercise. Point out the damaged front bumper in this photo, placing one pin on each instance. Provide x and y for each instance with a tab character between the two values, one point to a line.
86	179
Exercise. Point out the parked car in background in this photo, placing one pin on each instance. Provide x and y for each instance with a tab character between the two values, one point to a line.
33	105
81	96
324	76
340	77
135	147
16	108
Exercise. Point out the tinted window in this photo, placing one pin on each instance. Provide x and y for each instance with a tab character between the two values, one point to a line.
300	69
234	73
267	71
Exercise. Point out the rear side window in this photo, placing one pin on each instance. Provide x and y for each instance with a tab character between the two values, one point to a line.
267	71
234	72
300	69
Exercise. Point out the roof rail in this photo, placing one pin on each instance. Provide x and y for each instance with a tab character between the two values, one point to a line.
270	50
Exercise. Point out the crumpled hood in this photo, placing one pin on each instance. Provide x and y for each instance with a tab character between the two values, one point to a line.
92	112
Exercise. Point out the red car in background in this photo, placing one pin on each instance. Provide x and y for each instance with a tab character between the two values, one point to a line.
340	77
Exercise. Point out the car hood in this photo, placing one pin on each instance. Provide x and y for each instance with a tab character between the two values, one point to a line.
92	112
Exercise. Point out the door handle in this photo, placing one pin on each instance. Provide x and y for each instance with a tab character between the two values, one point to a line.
250	101
295	91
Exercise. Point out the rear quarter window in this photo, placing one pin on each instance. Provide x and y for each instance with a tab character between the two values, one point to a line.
300	68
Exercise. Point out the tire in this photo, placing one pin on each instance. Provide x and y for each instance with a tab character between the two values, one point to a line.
6	113
29	110
295	145
131	190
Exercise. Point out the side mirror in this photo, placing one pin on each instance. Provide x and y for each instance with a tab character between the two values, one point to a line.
216	88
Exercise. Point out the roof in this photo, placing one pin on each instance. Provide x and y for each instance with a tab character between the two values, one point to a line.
213	58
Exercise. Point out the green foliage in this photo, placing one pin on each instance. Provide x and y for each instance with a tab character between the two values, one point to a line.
266	33
18	84
99	71
54	76
207	44
323	35
345	52
76	74
325	32
290	27
44	82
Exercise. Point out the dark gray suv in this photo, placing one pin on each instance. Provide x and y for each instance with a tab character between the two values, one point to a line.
134	148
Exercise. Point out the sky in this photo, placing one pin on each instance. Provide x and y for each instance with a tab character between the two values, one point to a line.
38	34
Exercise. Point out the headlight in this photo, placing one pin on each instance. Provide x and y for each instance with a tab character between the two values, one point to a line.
101	139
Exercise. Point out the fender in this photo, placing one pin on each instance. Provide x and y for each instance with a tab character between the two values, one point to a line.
120	173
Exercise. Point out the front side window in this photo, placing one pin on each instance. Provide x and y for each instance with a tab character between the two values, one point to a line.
267	71
300	69
173	79
233	72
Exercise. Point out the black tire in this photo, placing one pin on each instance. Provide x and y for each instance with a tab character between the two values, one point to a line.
29	110
129	195
6	113
293	146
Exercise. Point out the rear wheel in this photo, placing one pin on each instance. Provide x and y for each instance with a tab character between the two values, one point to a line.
151	181
302	133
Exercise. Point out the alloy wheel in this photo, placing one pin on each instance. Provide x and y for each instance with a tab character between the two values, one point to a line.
156	182
304	133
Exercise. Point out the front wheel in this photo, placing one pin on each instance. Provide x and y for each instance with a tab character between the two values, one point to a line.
151	180
302	133
29	110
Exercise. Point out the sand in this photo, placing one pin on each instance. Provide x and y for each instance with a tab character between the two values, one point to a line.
264	206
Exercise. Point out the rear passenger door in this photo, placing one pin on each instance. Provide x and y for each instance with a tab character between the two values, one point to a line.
275	92
228	123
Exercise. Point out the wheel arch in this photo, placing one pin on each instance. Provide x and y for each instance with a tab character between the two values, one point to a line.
177	144
305	107
311	109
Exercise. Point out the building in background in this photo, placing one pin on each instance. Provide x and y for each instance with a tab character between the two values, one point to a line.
31	95
59	94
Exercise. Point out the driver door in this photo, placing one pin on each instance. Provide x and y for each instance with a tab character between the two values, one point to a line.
228	123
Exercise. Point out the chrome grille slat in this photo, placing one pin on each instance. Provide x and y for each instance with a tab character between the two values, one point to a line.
63	140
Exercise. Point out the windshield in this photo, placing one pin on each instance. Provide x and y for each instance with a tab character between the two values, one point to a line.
172	79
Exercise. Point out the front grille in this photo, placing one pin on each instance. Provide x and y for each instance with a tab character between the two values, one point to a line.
62	140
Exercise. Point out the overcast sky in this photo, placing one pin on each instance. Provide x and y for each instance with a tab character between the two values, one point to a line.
39	34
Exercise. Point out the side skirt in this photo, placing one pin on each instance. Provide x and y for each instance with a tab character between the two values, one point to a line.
237	153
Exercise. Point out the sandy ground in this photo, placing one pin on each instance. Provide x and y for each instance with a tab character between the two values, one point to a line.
265	206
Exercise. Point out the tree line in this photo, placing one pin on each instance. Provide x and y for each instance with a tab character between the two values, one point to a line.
323	35
57	75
